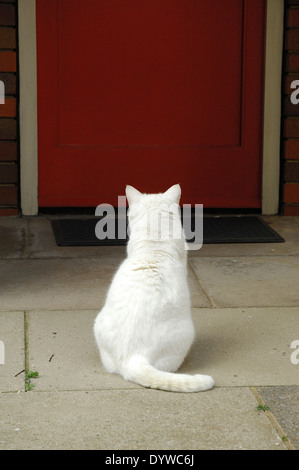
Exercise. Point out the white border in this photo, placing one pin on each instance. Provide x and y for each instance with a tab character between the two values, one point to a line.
28	107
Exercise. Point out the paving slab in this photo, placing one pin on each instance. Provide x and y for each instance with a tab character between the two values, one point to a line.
247	346
250	281
13	238
63	350
198	297
54	284
12	338
238	347
135	419
283	402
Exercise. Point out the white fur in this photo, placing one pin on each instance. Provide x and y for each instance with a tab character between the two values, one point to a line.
145	330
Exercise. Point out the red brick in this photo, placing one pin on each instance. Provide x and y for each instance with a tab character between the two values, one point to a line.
9	108
290	109
291	128
292	62
8	211
7	15
8	61
291	210
292	39
7	38
291	149
8	195
291	172
8	129
8	151
292	18
291	193
8	173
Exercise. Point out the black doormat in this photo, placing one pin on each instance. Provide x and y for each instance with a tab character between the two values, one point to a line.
219	229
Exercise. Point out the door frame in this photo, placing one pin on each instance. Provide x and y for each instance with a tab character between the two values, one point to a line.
28	107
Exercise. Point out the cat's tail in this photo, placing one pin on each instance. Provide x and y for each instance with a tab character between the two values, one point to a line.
139	370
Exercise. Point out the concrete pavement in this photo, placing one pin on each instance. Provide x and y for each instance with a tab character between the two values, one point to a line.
245	300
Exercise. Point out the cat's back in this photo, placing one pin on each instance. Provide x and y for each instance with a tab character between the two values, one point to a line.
144	267
154	276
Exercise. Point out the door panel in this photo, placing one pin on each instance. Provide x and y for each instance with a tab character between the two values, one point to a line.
150	93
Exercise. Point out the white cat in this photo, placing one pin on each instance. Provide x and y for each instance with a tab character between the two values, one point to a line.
145	330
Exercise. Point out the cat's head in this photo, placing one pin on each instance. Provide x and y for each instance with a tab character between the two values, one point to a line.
171	196
155	216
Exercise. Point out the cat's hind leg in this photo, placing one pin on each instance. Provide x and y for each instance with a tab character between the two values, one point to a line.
107	361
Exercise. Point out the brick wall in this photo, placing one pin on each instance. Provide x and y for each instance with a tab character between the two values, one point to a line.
290	148
9	172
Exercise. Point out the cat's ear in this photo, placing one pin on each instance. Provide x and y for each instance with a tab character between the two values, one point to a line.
133	195
174	193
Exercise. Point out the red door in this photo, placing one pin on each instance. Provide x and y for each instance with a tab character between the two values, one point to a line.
150	93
